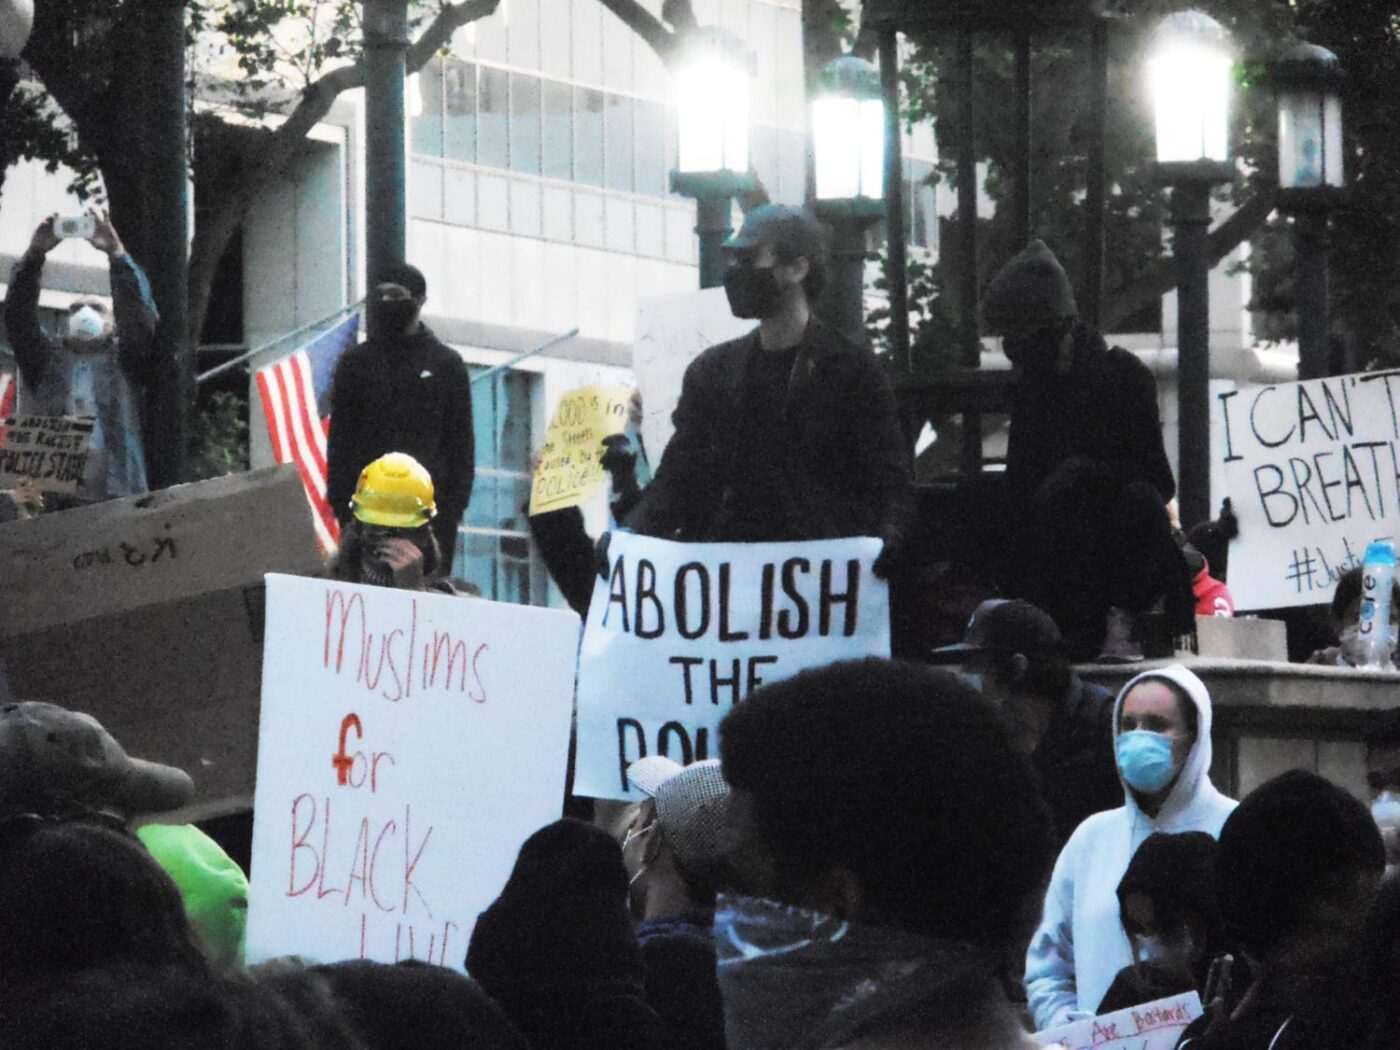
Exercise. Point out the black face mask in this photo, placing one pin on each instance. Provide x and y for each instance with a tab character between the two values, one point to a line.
754	292
1036	354
392	316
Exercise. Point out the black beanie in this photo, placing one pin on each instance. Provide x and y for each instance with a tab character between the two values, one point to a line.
1282	847
409	276
1032	291
560	934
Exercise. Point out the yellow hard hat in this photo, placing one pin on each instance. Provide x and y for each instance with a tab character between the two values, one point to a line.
394	491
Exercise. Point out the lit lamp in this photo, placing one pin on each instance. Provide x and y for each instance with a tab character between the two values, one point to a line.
848	132
1308	81
713	76
1189	71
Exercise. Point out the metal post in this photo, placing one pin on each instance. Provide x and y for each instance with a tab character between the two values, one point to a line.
386	210
842	305
1021	209
713	225
895	241
970	349
1190	218
167	255
1310	241
1091	300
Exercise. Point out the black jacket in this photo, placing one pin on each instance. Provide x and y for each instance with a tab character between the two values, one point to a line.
403	394
1075	758
845	466
1104	409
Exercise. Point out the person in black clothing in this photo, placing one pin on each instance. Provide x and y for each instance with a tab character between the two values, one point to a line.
1171	915
1014	653
1087	476
791	432
403	391
1297	870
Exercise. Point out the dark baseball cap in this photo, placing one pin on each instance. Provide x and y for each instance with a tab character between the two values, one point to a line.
52	758
793	230
1006	626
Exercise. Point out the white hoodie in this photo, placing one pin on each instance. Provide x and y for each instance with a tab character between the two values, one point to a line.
1080	945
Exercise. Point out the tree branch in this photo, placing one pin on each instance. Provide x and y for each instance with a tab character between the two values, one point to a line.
650	28
277	151
1160	278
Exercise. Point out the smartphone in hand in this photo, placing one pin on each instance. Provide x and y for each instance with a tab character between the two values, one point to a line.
69	227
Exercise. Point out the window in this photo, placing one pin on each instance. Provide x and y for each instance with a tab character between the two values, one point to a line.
459	88
427	125
588	136
554	39
651	147
588	41
525	33
524	124
493	118
617	139
558	161
493	541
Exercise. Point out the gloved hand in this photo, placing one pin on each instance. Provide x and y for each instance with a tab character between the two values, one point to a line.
890	556
601	561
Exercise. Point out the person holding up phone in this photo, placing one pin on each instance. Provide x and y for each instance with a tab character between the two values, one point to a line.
102	361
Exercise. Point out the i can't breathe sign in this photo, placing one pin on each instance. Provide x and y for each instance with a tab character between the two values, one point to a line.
681	632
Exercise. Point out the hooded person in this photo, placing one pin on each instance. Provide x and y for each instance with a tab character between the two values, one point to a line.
1087	475
1162	723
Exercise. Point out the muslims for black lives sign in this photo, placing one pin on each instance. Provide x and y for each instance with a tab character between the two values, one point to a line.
681	632
1313	471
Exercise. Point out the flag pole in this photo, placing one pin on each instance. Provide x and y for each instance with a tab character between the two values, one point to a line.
521	357
249	355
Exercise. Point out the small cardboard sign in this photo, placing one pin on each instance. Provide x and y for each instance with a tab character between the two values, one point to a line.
681	632
408	744
47	453
1152	1026
569	467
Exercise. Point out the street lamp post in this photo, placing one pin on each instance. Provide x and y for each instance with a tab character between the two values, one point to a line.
848	125
386	44
712	128
1189	70
1308	81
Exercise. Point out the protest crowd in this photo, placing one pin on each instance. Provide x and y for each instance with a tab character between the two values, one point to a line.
955	842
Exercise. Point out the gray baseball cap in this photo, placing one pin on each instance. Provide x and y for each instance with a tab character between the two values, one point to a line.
793	229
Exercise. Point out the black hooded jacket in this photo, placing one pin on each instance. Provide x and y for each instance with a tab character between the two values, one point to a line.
1104	409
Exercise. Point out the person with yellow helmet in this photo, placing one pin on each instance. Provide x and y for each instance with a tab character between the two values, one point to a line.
389	540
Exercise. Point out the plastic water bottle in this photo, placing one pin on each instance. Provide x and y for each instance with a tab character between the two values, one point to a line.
1377	580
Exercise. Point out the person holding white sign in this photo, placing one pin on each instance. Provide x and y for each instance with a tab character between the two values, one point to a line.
791	432
1162	744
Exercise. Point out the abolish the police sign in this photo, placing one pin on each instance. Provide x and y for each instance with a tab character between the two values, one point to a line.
680	632
1313	471
408	744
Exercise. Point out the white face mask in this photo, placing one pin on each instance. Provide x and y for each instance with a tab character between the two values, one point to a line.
86	325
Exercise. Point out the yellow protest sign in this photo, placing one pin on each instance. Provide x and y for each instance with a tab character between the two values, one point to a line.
569	469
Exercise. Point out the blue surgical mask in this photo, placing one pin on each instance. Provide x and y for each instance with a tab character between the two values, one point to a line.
974	679
1145	760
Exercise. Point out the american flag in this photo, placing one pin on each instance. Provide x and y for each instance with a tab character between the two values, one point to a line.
296	397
